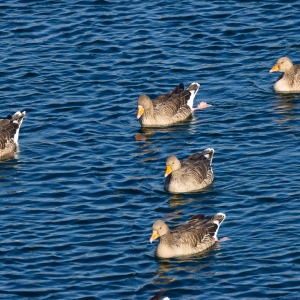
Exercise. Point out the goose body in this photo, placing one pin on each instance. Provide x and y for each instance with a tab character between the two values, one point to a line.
289	81
170	108
195	236
9	135
159	296
191	174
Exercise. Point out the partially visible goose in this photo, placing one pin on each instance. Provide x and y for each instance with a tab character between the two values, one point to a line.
191	174
196	235
289	81
159	296
170	108
9	135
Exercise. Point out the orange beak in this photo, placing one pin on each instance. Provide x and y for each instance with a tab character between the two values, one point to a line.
275	68
168	171
140	111
154	236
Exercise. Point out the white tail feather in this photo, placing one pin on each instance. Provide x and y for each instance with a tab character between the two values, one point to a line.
18	116
218	223
190	102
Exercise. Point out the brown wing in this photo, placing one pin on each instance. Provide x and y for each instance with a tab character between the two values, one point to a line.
162	98
198	165
297	75
297	68
7	131
195	231
171	103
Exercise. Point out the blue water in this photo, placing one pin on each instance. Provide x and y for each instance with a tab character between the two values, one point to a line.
79	201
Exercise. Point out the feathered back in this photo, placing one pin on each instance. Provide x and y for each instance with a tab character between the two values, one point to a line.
7	131
170	103
9	134
195	173
173	107
198	227
196	235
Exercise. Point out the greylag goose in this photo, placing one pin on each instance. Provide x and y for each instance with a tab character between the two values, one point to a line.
289	81
191	174
9	135
170	108
196	235
159	296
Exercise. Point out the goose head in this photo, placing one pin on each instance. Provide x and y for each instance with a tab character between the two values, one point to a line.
144	103
159	229
172	164
283	64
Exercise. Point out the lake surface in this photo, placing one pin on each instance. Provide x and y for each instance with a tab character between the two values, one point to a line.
79	201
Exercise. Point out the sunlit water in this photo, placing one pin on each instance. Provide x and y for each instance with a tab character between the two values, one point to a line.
79	201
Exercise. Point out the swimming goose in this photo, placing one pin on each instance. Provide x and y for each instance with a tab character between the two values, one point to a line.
196	235
289	81
159	296
170	108
191	174
9	135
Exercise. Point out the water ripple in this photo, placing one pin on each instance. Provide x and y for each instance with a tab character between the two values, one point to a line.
79	200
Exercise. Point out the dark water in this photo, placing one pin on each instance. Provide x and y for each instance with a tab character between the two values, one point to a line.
77	205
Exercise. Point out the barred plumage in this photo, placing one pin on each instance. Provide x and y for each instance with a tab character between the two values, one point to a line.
196	235
9	135
167	109
191	174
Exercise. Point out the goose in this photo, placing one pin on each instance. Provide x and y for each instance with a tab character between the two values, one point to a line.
159	296
289	81
195	236
9	135
168	109
191	174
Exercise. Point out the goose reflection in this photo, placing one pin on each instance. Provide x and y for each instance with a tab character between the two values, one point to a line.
170	270
176	200
287	105
145	133
287	101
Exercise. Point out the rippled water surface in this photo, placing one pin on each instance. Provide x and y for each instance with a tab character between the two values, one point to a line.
79	201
